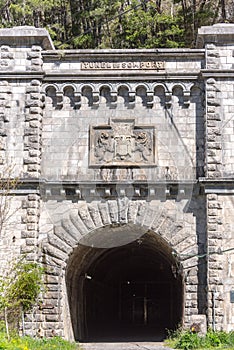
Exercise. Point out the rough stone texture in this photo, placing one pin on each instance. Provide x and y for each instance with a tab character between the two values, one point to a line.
33	129
180	103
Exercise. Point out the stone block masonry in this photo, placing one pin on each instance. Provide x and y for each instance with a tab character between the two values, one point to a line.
125	163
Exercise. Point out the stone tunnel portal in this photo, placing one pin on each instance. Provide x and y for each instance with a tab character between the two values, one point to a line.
130	292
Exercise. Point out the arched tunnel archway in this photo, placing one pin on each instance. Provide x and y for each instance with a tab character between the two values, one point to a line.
129	292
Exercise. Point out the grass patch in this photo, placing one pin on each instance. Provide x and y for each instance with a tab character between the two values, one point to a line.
28	343
187	340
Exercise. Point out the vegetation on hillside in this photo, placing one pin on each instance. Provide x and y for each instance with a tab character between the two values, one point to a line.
117	23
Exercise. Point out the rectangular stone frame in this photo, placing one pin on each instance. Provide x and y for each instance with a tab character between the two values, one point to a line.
94	164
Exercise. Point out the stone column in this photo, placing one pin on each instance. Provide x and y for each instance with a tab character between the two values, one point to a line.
21	108
218	75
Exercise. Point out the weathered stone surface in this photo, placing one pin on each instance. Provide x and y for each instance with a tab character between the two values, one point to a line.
136	146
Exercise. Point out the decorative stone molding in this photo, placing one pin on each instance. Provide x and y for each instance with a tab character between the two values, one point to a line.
32	134
76	90
122	143
104	190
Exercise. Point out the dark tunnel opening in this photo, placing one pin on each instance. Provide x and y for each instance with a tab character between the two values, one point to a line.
132	292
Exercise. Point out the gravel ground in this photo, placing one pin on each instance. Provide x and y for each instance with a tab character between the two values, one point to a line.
124	346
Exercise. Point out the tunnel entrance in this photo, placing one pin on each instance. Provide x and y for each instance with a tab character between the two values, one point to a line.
132	293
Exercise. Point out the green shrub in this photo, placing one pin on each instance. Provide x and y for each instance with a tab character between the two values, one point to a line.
185	339
20	288
28	343
231	338
212	339
188	340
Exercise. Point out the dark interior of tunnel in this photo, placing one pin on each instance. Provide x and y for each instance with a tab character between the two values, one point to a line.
133	292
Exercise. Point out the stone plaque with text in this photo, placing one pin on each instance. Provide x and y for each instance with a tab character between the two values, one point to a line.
127	65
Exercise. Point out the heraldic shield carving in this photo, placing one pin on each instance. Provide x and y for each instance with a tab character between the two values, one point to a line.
122	143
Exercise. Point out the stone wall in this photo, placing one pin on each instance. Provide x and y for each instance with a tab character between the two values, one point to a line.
138	138
173	109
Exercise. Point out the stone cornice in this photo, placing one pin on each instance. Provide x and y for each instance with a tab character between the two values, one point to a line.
151	189
118	53
26	36
98	76
219	33
82	189
226	180
6	75
218	186
128	75
217	73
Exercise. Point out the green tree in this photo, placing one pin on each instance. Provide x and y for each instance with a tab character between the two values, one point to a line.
197	13
117	23
91	21
54	15
19	290
124	24
150	26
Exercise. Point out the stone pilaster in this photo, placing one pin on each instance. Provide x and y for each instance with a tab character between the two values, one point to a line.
5	104
34	58
33	129
212	56
213	131
215	265
35	318
30	220
6	58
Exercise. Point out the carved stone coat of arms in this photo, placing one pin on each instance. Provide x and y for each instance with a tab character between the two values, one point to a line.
122	144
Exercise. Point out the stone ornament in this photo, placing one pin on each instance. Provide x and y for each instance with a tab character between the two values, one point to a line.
122	144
